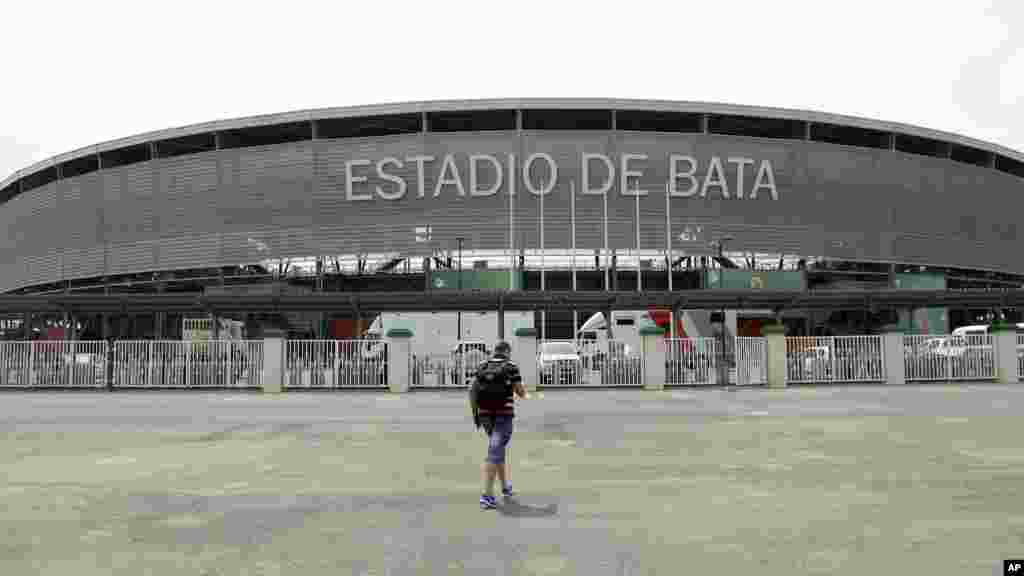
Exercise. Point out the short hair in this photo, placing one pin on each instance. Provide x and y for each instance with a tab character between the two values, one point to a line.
502	347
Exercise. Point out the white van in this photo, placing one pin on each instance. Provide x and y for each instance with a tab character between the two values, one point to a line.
978	329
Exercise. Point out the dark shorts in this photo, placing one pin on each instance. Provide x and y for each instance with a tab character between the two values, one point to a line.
499	437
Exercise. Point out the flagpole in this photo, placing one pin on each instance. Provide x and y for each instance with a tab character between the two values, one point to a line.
668	251
543	312
604	217
572	220
639	276
511	231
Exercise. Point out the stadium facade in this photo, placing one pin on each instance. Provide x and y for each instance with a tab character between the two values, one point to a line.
398	196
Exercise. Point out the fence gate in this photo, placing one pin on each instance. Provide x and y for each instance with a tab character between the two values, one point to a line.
950	358
691	361
182	364
455	369
325	364
751	361
826	359
56	363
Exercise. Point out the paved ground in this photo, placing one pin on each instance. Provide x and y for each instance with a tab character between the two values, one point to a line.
870	480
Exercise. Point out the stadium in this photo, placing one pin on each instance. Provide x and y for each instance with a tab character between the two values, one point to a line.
541	194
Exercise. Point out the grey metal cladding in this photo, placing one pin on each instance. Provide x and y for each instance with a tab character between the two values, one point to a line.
247	204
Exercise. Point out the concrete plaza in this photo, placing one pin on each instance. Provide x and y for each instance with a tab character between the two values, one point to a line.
828	480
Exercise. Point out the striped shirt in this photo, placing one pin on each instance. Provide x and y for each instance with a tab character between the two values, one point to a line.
512	377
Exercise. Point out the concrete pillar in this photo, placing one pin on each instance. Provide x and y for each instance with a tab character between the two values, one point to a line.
399	359
524	354
893	356
653	353
273	361
1004	340
775	336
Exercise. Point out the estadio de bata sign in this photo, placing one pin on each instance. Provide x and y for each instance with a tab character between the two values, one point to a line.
538	174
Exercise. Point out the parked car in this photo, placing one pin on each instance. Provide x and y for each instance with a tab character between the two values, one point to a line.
559	362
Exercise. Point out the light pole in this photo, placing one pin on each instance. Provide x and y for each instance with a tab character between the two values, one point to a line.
460	240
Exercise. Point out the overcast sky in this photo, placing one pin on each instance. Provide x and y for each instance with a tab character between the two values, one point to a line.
77	73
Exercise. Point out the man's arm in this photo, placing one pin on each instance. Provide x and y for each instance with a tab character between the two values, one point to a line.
517	381
520	390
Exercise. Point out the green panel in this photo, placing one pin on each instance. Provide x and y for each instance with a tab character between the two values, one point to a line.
925	320
477	280
732	279
919	281
648	328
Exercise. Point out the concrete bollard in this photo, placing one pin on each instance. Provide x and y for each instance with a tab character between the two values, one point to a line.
399	357
524	354
894	356
653	354
274	343
1004	341
775	337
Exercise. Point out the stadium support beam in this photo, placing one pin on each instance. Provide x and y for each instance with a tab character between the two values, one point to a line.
453	300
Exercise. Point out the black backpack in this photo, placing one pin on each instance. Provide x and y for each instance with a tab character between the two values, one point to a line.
491	383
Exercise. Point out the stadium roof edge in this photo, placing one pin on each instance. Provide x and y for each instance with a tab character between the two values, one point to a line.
515	103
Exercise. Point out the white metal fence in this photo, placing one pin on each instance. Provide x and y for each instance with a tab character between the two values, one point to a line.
79	364
182	364
751	361
811	359
336	364
691	361
948	358
588	363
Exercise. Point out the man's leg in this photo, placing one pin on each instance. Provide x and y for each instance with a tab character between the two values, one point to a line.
489	471
503	474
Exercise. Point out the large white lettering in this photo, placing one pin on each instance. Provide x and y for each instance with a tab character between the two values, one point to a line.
675	175
625	173
740	163
421	175
687	177
399	182
585	170
474	178
444	178
765	179
548	186
351	179
715	177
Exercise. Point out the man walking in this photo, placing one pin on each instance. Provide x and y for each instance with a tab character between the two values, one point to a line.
493	409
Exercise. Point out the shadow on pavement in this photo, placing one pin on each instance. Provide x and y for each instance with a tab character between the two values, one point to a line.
515	509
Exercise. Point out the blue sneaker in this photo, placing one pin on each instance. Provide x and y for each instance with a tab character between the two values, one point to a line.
488	502
507	491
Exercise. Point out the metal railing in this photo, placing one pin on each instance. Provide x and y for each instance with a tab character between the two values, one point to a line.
751	361
826	359
56	363
929	358
325	364
182	364
691	361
